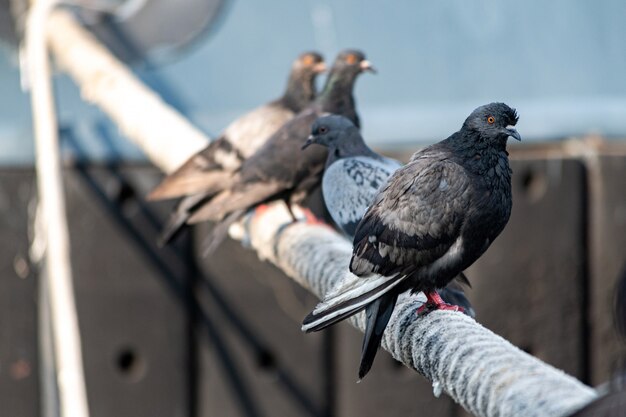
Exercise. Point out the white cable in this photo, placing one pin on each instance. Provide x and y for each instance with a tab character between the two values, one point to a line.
66	335
141	115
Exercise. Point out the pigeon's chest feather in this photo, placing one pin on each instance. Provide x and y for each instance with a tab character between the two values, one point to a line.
350	185
364	173
493	202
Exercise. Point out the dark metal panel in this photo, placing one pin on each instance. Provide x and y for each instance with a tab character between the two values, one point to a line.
390	389
529	286
19	391
284	371
607	191
133	327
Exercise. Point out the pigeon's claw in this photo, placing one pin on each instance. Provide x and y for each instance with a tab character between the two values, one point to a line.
435	302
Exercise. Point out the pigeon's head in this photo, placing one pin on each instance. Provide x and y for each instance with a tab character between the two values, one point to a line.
352	61
309	63
329	130
494	122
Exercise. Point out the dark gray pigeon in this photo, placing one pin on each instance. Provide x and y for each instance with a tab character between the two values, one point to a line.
205	172
433	219
353	177
280	170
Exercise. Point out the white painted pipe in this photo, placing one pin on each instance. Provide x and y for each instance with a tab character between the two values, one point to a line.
53	224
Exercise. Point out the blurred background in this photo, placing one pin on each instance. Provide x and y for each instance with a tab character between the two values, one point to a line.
166	332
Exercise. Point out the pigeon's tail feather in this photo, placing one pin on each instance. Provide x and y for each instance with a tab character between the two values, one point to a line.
348	298
229	201
207	171
185	183
377	315
220	231
178	219
461	278
172	228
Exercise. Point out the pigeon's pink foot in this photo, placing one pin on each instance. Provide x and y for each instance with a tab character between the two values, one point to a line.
434	302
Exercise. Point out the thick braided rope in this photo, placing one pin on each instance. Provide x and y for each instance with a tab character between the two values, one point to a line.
480	370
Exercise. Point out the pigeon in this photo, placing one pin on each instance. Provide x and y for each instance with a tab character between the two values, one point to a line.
198	178
432	219
279	170
352	178
353	172
245	135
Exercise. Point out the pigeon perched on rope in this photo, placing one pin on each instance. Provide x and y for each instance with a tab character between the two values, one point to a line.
205	172
353	173
279	170
353	177
434	217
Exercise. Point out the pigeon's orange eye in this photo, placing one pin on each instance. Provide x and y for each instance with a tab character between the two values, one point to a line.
491	120
351	59
308	60
323	129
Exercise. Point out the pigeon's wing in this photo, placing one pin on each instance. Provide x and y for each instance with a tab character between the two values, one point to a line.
250	132
416	219
278	167
201	173
208	170
350	185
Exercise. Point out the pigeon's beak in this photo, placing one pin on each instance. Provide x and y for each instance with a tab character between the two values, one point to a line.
309	142
512	132
319	68
367	66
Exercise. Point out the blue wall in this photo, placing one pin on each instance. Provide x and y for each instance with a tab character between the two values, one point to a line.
561	63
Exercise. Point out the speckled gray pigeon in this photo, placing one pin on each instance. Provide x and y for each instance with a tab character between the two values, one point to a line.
432	219
353	173
208	170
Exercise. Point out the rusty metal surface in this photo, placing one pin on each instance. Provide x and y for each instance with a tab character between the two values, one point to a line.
529	286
